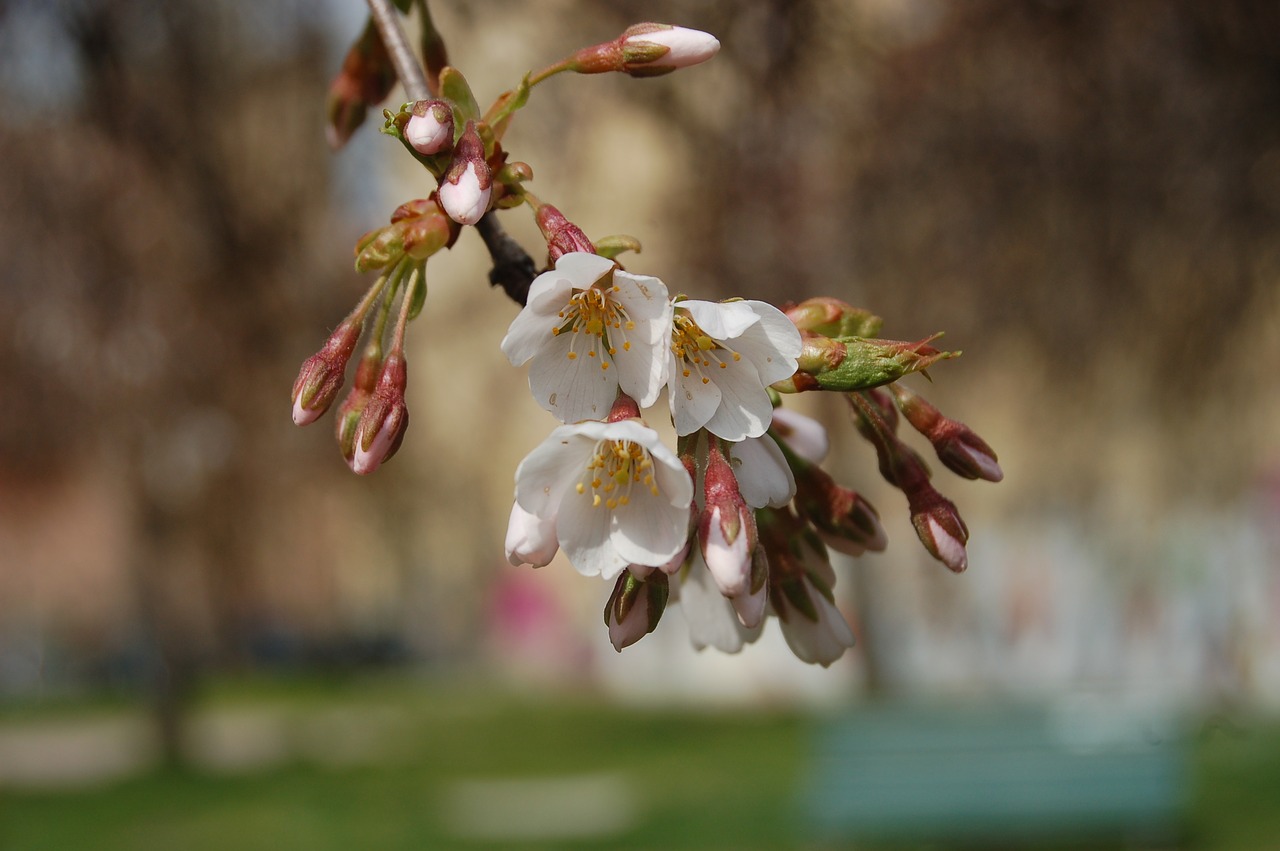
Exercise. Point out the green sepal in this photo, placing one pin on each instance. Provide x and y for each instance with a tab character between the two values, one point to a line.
507	104
417	289
615	244
454	88
854	323
871	363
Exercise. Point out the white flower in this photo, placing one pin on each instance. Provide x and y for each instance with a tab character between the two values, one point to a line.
466	199
710	615
764	476
590	329
811	624
616	495
806	436
723	356
530	539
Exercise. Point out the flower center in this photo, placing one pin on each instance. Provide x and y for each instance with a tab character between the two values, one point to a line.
595	315
615	467
695	350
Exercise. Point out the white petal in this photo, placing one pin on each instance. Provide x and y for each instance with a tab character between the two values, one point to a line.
584	531
721	321
750	608
711	618
821	642
764	478
550	469
572	389
745	407
583	269
531	330
650	531
642	370
728	562
686	47
951	550
644	297
692	402
530	539
806	436
465	201
759	346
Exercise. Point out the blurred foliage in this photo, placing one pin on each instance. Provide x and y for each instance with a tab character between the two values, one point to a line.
700	778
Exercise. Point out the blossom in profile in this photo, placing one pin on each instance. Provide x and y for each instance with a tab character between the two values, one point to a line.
591	329
615	494
723	358
652	49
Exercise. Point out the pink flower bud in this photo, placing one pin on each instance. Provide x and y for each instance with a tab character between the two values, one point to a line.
429	129
321	376
727	545
727	526
652	49
366	79
530	539
939	526
384	419
562	236
466	188
844	519
964	453
635	607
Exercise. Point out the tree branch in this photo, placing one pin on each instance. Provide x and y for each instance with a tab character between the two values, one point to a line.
513	268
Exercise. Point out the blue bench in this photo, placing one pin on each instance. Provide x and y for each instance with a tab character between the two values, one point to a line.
998	775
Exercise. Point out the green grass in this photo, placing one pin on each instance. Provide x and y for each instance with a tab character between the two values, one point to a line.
694	779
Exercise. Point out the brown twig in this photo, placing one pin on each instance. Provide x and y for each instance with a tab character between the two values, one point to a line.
513	268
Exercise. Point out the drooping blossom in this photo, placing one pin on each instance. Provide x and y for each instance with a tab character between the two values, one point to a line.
711	616
723	357
806	436
616	495
764	477
589	329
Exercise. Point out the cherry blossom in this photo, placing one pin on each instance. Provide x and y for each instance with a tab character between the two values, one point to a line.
723	357
615	494
591	329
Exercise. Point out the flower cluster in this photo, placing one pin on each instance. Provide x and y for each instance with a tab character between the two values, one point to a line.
736	522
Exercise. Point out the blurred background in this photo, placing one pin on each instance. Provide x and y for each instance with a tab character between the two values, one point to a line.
201	607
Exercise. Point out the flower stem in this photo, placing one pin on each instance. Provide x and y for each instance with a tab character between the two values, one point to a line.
386	19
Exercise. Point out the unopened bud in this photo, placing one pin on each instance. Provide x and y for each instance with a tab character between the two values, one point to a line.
857	363
384	420
562	236
831	317
957	445
429	129
321	376
843	518
466	188
366	79
652	49
635	607
647	50
727	527
939	526
348	417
